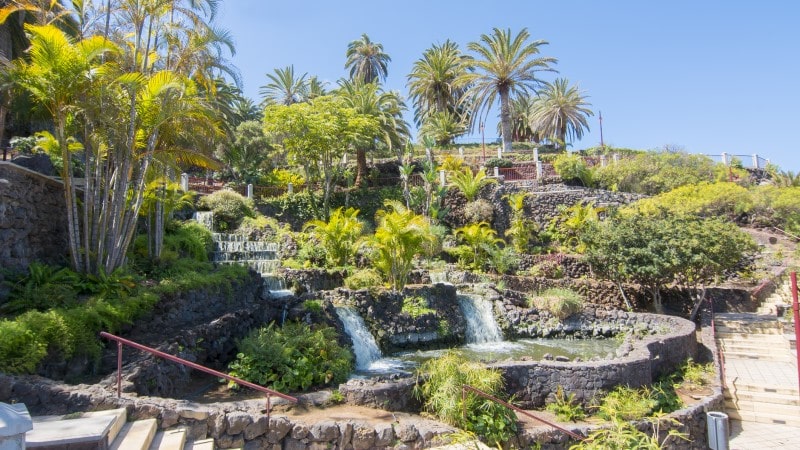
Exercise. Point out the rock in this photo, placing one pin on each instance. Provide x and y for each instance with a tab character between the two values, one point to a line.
290	444
278	428
299	431
406	432
169	418
384	434
363	436
194	412
562	359
38	162
345	434
255	429
216	424
325	431
237	422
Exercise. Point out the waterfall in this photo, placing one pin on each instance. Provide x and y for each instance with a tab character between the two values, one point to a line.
364	346
481	324
205	218
438	277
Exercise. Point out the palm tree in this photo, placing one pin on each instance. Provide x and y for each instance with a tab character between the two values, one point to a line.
316	88
387	107
521	130
505	66
470	184
339	236
366	60
560	111
284	88
432	82
442	127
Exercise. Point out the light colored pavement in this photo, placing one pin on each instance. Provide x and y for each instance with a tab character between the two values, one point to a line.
762	436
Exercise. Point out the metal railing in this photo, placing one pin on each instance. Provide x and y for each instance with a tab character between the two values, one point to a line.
467	388
122	341
720	348
796	318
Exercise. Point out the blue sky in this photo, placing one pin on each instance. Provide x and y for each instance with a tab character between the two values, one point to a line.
708	76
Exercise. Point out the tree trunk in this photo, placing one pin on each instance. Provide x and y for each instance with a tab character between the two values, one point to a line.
361	167
505	117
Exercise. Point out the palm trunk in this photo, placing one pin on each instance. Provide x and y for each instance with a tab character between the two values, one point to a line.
73	229
505	117
361	167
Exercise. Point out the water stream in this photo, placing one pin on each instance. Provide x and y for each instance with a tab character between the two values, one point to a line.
364	346
481	325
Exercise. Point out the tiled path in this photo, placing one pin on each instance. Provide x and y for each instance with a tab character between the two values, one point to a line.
762	436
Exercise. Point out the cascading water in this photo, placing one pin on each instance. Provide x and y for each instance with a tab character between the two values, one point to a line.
205	218
438	277
364	346
481	324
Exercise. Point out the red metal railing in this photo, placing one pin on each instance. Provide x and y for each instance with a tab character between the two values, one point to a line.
467	388
122	341
720	353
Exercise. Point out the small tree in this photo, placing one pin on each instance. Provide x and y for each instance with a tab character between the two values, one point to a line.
470	184
480	241
521	228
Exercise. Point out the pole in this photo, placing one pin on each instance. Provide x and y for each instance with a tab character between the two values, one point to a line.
602	145
483	142
796	313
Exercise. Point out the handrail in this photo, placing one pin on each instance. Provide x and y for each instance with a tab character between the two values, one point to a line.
466	387
786	233
720	347
120	341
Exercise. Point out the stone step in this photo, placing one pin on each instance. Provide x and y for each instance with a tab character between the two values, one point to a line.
755	341
780	348
742	386
202	444
764	408
762	397
136	435
746	416
760	329
169	440
91	430
751	356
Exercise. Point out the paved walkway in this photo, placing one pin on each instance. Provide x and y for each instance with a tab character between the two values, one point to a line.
762	436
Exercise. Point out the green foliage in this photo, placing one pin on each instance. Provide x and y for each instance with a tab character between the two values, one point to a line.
521	229
186	245
281	178
627	403
229	208
652	173
248	155
502	260
441	393
301	206
43	287
293	357
623	435
470	184
565	407
339	236
314	306
560	302
572	168
696	375
20	350
401	235
777	206
571	225
704	199
498	162
416	306
477	238
363	279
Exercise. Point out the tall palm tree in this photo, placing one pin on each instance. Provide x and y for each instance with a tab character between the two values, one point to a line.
442	127
505	66
560	111
521	130
316	88
432	82
284	88
387	107
366	60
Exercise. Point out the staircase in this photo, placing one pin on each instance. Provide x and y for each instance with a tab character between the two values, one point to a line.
103	430
760	363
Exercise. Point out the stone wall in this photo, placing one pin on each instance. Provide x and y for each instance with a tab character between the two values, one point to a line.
33	225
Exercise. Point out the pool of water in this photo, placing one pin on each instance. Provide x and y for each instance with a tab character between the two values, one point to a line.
533	349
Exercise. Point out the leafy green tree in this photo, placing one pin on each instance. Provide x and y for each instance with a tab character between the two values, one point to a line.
571	224
521	130
399	237
339	236
652	173
560	111
571	167
470	184
433	85
505	67
479	241
386	108
250	153
315	134
703	199
284	88
366	60
443	128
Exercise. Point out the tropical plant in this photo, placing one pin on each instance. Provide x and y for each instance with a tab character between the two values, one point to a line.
477	238
339	236
366	60
293	357
521	229
571	224
573	168
249	154
284	88
432	83
564	406
653	173
399	237
559	302
363	279
161	199
505	67
469	183
624	435
443	127
560	111
521	130
229	208
442	395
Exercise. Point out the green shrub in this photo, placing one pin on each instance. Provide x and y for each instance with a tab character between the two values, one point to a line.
43	287
623	435
565	407
479	211
416	306
498	162
547	269
20	349
626	403
559	302
441	393
696	375
704	200
364	279
339	236
229	208
293	357
652	173
572	168
314	306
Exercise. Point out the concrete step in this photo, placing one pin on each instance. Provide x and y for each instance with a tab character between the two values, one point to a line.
764	408
169	440
136	435
203	444
762	397
92	430
723	330
742	386
751	356
780	348
746	416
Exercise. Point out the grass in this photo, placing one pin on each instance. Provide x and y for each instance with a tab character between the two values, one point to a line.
559	302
